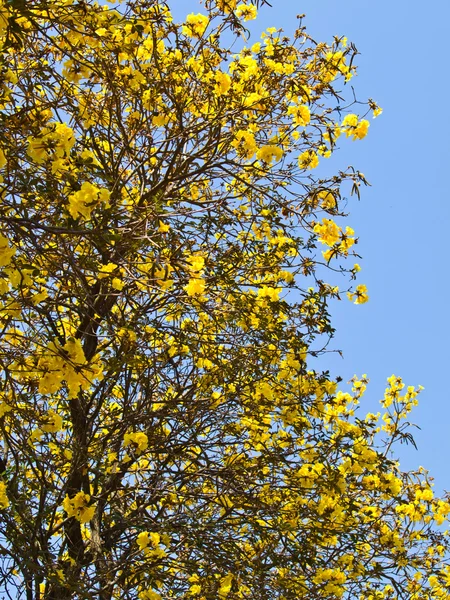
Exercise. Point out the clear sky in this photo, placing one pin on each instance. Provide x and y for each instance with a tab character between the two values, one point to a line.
402	220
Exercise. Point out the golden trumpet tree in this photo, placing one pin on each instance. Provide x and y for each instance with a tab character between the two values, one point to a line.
166	232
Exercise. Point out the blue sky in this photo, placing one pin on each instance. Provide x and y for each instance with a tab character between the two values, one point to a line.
402	220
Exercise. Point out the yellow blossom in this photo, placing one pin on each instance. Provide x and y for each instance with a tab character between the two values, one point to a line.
163	227
225	585
53	422
308	160
358	129
6	252
269	292
78	507
86	199
329	233
4	502
139	440
195	287
226	5
245	143
143	540
197	263
149	595
268	153
195	25
301	115
223	83
248	13
359	295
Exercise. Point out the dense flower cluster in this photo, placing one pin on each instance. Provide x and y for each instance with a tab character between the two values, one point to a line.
165	202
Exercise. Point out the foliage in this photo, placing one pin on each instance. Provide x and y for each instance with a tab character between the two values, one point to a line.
165	236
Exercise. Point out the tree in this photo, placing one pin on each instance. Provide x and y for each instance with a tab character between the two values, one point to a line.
162	300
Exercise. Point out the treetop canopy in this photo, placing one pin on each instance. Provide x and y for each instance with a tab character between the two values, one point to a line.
167	229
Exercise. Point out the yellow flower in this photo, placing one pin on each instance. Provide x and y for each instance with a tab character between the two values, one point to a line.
106	270
195	589
329	233
225	585
4	16
160	120
75	351
268	153
350	121
149	595
86	199
163	227
377	111
328	201
226	5
4	502
195	25
247	12
117	284
308	160
37	150
143	540
77	507
245	144
360	294
139	439
269	292
361	130
4	408
197	263
223	83
55	142
301	115
358	129
195	287
53	422
5	251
